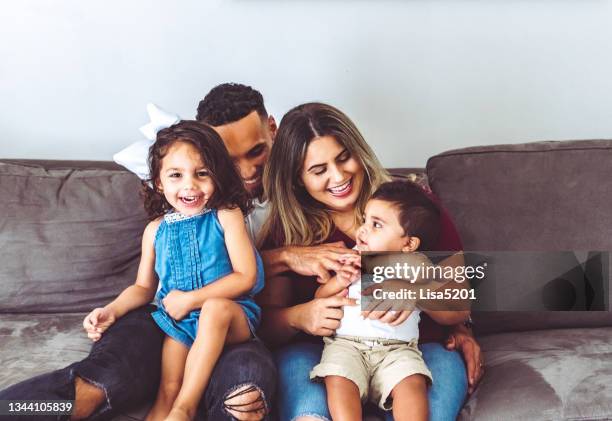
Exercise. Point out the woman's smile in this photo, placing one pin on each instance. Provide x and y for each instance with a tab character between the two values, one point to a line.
331	174
343	189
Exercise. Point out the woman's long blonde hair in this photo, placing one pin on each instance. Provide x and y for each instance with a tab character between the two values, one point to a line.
296	218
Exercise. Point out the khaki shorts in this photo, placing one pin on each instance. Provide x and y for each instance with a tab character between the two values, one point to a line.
376	366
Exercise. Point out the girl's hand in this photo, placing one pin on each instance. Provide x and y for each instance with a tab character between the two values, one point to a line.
97	322
178	304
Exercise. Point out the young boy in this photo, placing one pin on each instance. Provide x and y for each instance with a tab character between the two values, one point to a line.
367	359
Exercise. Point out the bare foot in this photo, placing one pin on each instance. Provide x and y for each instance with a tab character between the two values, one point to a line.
178	414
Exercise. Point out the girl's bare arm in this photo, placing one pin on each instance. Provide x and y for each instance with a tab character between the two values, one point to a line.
143	290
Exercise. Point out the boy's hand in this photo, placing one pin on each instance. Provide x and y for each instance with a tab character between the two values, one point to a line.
348	273
350	270
178	304
97	322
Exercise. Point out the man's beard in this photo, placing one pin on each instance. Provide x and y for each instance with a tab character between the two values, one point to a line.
256	192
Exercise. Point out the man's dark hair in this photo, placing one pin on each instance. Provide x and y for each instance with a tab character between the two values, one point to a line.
418	215
230	102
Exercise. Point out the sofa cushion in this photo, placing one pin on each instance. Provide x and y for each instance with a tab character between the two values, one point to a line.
69	234
35	344
560	374
546	196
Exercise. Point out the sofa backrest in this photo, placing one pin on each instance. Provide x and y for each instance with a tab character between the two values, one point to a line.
545	196
70	234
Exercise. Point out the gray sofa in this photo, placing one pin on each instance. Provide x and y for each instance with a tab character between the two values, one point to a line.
547	196
70	238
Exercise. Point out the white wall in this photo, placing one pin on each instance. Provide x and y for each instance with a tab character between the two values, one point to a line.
417	76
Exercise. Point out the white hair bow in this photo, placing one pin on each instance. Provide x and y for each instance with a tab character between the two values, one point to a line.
134	157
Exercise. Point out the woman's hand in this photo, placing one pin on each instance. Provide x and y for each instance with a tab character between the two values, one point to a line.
465	343
321	316
317	260
96	322
178	304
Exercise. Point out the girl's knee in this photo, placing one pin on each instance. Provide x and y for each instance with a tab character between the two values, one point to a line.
217	307
216	310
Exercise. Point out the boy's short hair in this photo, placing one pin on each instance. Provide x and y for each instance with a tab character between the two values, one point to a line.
230	102
418	214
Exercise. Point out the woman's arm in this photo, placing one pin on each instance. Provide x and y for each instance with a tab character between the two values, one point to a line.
281	321
305	260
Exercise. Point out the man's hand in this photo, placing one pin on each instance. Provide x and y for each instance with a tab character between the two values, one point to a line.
178	304
467	345
317	260
321	316
392	312
96	322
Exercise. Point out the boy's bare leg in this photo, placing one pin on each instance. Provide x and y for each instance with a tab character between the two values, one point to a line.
174	354
410	399
221	321
343	398
87	398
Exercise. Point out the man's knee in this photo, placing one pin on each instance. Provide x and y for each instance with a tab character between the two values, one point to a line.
87	398
246	402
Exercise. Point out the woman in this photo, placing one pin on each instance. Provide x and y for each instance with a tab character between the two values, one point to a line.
320	175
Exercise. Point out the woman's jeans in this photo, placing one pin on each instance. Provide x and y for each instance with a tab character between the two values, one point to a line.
126	364
299	396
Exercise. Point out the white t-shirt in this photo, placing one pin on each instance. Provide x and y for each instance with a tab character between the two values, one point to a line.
256	218
352	324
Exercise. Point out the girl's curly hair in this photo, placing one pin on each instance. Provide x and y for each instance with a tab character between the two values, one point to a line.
229	189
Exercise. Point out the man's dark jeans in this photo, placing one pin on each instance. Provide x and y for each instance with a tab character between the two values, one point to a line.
126	364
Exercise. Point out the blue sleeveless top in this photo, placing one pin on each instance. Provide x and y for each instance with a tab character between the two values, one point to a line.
190	253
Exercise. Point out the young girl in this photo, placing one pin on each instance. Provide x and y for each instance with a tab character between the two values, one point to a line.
198	247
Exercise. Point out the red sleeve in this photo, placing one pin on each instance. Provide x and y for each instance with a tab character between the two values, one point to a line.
449	240
449	237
